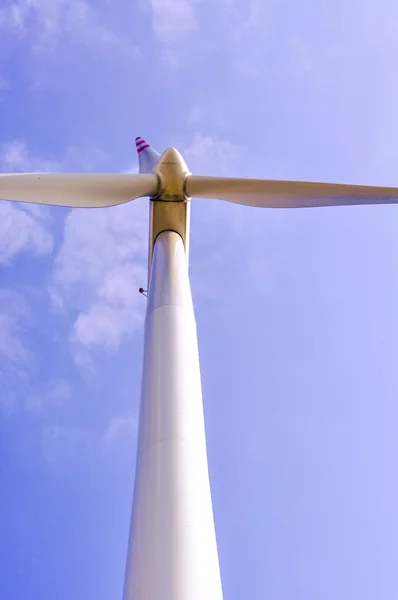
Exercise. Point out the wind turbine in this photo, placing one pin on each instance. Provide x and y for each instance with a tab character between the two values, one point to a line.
172	551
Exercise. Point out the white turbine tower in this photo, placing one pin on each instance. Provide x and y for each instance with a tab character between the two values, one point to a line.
172	544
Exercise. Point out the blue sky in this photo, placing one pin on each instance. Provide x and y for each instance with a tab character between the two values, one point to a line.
297	311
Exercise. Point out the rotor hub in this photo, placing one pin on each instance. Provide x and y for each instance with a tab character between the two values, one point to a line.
172	172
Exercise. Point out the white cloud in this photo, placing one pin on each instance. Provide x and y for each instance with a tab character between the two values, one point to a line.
4	87
101	262
210	155
27	227
84	157
233	259
239	29
13	309
14	156
53	395
15	357
23	227
50	22
98	270
121	427
65	442
173	21
22	232
43	401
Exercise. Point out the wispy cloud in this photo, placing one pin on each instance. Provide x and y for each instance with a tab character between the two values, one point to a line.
84	157
62	443
234	28
14	156
211	155
121	427
98	270
173	21
15	356
22	227
21	231
49	22
53	396
101	262
233	261
4	87
13	309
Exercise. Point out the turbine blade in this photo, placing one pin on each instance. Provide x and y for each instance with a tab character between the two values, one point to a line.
287	194
77	190
147	157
